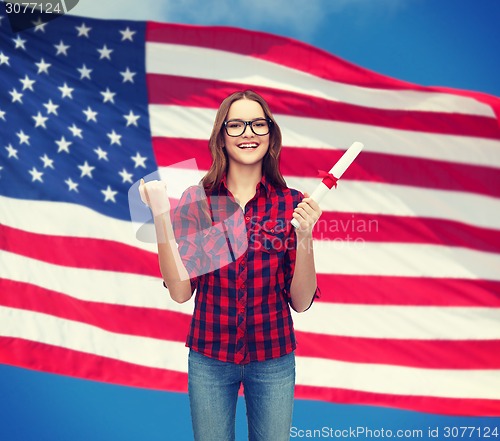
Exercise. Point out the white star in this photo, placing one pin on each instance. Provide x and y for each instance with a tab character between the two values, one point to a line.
105	52
108	96
101	154
23	138
72	186
2	114
131	119
19	42
35	175
66	91
84	72
16	96
126	176
127	34
139	160
86	170
51	107
77	132
11	151
4	59
43	66
114	137
63	145
27	83
40	25
109	194
83	30
47	162
40	120
128	75
90	114
62	48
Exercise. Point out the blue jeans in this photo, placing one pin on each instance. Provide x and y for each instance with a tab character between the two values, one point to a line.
213	393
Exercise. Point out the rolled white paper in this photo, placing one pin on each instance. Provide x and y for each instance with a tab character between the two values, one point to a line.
337	171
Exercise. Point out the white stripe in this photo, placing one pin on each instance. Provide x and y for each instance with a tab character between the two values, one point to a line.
196	123
404	260
387	379
33	326
401	322
379	321
213	64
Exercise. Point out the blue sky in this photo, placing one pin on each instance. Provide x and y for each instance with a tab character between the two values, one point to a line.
451	43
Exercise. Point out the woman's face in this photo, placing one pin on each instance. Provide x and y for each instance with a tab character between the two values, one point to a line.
247	148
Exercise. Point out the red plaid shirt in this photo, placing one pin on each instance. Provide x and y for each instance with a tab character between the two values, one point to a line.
241	265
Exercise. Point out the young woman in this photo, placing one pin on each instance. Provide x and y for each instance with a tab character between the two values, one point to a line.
237	248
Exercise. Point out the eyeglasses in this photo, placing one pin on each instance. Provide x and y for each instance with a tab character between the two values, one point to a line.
236	127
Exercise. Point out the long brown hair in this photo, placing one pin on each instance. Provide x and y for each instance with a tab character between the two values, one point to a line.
220	162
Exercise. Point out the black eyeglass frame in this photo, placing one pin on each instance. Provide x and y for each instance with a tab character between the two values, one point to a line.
249	123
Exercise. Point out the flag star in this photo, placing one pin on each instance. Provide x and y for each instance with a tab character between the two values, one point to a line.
126	176
128	75
77	132
39	25
43	66
19	42
47	162
108	96
114	137
105	52
27	83
23	138
66	91
62	48
40	120
72	186
86	170
2	114
4	59
11	151
127	34
101	154
35	175
51	107
63	145
139	160
109	194
16	96
90	114
83	30
131	119
84	72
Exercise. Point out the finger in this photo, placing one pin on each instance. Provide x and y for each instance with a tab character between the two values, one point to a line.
141	191
306	207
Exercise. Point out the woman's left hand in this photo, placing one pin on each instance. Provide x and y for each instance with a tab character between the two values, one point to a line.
307	214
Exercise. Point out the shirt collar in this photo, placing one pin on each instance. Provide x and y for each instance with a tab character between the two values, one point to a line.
263	183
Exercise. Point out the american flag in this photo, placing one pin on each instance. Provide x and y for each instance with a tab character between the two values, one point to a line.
407	249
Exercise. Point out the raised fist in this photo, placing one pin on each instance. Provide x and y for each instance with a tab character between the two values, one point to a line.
154	195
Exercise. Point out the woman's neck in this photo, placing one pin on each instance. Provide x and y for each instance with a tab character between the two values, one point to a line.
242	181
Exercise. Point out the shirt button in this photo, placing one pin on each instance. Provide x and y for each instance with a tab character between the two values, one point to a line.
243	285
247	218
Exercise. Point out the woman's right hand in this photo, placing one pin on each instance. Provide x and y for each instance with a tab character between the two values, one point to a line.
154	195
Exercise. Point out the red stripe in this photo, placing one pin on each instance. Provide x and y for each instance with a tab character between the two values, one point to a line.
369	167
47	358
445	406
57	360
150	322
196	92
293	54
121	319
430	354
418	291
79	252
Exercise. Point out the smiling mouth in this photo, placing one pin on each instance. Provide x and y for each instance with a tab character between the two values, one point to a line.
248	146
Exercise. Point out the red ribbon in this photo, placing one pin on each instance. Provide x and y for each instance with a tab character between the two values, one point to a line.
328	179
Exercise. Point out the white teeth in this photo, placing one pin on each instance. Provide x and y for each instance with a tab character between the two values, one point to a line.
246	146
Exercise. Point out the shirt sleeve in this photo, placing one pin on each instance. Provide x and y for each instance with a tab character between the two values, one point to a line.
186	225
290	257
